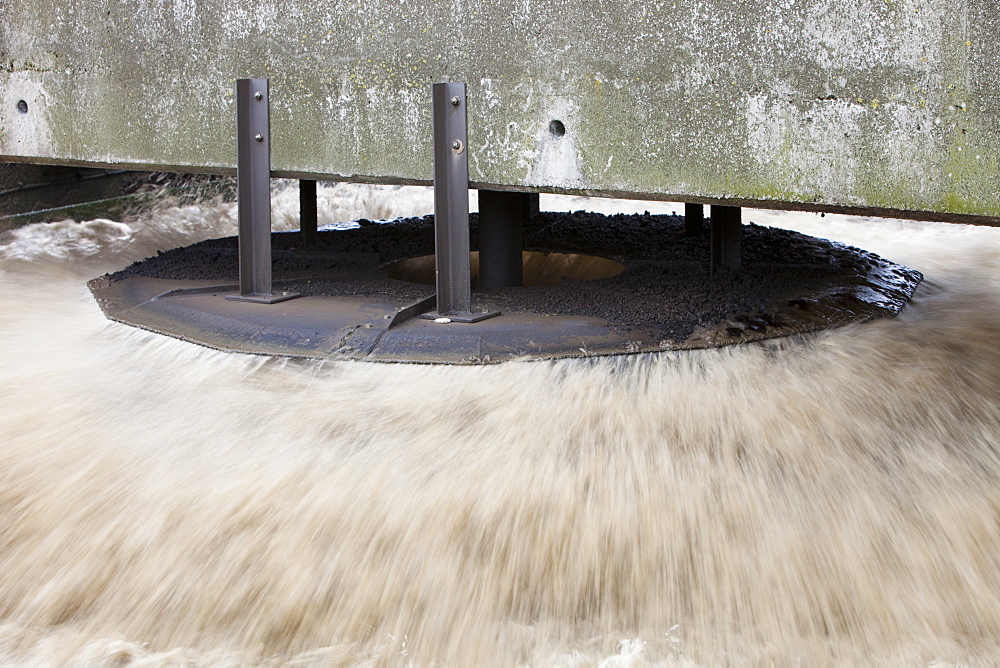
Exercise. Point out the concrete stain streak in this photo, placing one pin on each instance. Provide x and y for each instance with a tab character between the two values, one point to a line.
792	101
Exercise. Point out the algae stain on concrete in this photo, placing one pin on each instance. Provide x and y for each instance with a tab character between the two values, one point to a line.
804	101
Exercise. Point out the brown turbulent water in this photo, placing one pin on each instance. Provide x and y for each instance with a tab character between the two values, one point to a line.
828	499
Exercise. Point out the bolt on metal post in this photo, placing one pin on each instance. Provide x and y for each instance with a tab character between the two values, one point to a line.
451	205
253	186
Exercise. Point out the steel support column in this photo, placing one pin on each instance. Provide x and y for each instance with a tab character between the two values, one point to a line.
307	212
694	219
726	233
451	205
501	219
253	187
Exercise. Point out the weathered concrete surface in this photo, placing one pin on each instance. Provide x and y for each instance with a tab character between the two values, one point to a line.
872	105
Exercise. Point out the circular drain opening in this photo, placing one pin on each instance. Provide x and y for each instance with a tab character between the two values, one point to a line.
538	268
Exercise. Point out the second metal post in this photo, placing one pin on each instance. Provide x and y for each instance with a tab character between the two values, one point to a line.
451	204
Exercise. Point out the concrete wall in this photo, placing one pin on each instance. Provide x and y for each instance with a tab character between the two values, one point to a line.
868	105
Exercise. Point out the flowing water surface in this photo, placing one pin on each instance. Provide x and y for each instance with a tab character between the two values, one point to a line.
826	499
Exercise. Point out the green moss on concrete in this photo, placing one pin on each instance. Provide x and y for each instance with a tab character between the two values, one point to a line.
824	102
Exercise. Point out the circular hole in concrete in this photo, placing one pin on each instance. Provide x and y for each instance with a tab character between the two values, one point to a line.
538	268
22	106
557	129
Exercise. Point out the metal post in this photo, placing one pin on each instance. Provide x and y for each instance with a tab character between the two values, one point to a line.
451	205
253	187
694	219
307	212
501	218
726	232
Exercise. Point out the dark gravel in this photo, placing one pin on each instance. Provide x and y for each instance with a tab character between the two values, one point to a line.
667	283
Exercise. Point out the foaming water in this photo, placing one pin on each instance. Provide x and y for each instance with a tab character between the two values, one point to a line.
831	498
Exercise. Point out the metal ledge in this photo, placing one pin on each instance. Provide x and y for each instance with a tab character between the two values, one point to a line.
350	309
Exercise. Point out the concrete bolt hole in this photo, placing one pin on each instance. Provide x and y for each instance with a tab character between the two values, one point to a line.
22	106
538	268
557	129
